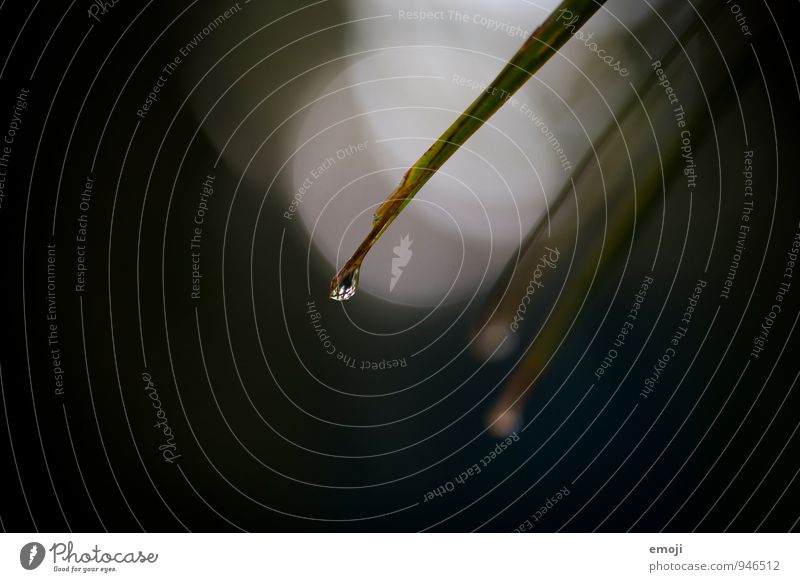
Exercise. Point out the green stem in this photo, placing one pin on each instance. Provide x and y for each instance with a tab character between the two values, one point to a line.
545	41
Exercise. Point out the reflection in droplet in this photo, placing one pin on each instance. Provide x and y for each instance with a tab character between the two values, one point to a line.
344	286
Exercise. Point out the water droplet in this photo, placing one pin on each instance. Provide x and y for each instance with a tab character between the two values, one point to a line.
344	286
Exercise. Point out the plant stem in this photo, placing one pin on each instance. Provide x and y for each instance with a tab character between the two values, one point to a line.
618	209
545	41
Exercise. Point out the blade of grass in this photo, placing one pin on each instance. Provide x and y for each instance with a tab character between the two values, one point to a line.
545	41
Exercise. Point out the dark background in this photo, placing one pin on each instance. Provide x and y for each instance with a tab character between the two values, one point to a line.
273	434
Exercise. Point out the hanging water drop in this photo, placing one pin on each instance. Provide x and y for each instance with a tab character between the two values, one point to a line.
344	286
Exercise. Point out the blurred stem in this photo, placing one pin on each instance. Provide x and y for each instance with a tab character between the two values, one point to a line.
545	41
506	297
505	413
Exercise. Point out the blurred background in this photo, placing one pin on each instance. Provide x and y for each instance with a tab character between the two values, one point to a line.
573	327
